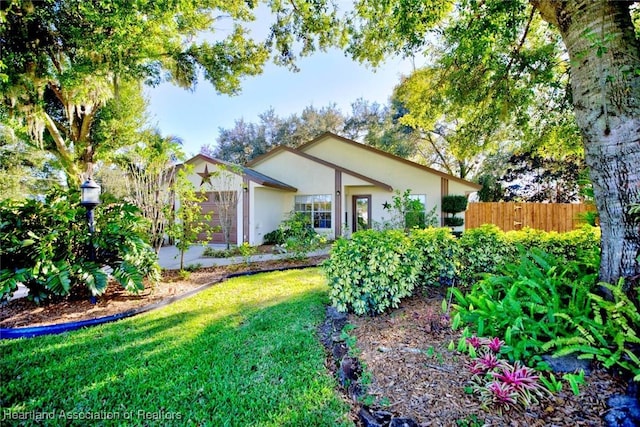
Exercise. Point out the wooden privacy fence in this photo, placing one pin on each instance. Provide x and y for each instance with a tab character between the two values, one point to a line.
509	216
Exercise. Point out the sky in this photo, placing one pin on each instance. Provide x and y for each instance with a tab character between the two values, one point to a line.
323	79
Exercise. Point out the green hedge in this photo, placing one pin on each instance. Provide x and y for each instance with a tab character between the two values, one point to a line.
366	275
440	253
372	271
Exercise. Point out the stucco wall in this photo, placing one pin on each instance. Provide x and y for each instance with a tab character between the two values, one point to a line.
269	208
308	176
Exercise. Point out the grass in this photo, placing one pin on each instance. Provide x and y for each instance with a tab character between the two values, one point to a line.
242	353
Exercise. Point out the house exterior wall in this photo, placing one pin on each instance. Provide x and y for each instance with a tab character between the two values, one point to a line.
268	208
307	176
397	174
224	182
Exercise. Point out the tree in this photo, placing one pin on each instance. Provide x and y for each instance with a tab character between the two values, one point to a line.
149	172
450	138
369	123
23	169
490	64
63	60
188	221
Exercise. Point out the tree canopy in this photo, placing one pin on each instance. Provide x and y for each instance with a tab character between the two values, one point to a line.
64	60
370	123
495	53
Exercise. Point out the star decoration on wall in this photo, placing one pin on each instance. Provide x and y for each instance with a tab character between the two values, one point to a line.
386	205
206	176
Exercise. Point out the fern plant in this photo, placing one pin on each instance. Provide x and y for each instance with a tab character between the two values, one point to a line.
610	334
522	303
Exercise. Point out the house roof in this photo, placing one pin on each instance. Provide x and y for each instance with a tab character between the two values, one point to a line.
327	135
248	173
281	148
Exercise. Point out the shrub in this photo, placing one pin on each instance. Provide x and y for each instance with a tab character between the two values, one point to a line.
453	221
609	334
527	303
440	253
299	235
454	204
45	247
372	271
572	245
483	250
275	237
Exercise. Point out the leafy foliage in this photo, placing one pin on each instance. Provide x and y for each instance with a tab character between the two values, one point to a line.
482	250
44	245
407	212
439	255
372	271
533	177
610	333
369	123
454	204
298	235
526	303
189	223
148	171
486	249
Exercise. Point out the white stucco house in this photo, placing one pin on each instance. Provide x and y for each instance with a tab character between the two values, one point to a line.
340	183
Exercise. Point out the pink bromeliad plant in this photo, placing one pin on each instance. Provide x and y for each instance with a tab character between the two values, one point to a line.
500	384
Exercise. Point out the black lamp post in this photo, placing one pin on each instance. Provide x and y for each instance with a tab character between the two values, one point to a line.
90	198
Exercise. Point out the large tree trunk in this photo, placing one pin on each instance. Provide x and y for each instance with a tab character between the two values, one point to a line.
605	59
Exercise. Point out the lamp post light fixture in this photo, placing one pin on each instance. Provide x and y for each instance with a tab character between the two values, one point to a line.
90	198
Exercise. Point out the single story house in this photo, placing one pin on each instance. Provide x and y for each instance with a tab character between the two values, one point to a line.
343	185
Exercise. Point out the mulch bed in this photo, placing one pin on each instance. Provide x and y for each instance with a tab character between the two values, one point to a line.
415	375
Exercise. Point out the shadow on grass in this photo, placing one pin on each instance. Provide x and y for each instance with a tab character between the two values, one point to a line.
242	353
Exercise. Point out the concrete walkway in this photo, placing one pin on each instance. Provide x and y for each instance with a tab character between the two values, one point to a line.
169	257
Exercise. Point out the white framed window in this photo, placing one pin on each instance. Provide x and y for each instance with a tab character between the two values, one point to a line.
318	207
416	215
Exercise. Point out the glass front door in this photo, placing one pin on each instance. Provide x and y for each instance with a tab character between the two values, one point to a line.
361	213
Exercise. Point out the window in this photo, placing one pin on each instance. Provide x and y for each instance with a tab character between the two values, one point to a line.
415	213
318	207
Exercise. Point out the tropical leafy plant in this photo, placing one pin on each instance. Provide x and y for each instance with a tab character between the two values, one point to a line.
610	333
372	271
527	303
45	246
497	382
440	254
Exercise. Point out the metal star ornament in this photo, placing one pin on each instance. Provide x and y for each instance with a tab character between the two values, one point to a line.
206	176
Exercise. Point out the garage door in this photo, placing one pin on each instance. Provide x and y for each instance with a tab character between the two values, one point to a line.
215	204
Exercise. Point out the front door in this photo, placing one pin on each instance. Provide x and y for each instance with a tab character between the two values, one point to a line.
361	213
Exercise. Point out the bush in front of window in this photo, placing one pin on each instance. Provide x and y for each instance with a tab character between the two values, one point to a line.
441	252
372	271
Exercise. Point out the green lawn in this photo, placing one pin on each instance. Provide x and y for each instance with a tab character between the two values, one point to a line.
242	353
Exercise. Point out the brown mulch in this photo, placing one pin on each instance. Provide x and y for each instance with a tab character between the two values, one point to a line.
415	375
21	312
